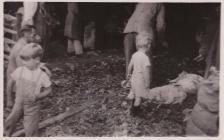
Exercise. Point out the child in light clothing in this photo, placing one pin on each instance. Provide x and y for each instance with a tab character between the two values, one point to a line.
32	84
141	66
29	35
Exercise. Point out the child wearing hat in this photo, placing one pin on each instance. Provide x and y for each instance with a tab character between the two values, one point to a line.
32	84
139	70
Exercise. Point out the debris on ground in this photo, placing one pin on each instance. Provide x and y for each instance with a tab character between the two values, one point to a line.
97	76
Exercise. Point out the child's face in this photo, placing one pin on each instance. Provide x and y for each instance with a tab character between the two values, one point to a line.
32	63
30	35
145	48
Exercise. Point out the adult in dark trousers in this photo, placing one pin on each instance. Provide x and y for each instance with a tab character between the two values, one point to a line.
148	17
74	29
19	18
204	118
38	14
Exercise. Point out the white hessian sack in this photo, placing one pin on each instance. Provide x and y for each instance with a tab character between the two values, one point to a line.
205	114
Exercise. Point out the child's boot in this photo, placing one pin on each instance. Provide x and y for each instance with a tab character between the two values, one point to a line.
136	111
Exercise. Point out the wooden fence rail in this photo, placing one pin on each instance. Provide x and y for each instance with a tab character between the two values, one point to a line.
9	36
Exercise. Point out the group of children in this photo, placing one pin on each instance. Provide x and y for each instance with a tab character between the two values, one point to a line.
28	79
27	82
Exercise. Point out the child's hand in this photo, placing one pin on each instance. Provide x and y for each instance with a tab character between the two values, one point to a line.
128	77
123	83
45	69
32	98
199	58
37	39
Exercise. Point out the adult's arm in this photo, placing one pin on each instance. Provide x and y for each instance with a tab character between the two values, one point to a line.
206	41
160	22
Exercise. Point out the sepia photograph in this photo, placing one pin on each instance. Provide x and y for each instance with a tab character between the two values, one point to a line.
111	69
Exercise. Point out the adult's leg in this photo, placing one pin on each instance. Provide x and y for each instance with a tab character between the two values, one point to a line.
78	47
43	31
70	48
129	48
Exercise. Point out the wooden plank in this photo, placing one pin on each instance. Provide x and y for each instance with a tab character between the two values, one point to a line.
6	57
7	50
9	41
73	110
6	64
8	46
8	17
7	30
8	25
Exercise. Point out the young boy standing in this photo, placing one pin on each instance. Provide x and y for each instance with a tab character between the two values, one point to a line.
32	84
141	66
28	34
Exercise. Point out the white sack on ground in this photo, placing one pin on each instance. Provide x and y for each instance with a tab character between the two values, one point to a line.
189	82
89	36
205	114
176	91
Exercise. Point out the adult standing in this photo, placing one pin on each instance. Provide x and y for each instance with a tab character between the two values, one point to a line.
210	42
73	29
37	14
147	17
204	118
